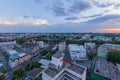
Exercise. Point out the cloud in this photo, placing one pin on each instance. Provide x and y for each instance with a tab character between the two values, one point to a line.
66	8
103	5
59	9
71	18
117	6
96	15
38	1
111	30
106	18
79	6
24	20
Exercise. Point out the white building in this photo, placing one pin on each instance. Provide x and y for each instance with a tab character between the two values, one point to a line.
41	44
16	59
7	45
77	52
62	46
57	59
64	71
86	36
11	52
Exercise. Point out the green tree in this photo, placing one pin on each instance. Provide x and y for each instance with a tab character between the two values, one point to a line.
2	77
90	56
20	41
32	65
18	74
114	56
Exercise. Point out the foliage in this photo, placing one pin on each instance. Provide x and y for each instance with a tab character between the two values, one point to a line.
114	56
32	65
20	41
51	54
2	77
44	53
75	42
90	56
18	74
3	70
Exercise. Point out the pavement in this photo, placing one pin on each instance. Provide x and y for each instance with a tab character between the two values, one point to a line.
9	73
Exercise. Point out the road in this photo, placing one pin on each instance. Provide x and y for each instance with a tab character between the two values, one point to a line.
9	73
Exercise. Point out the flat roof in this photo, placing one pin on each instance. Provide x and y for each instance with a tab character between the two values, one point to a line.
58	54
21	54
52	72
14	57
107	69
76	47
76	68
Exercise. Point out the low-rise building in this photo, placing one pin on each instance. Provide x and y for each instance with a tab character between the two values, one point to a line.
11	52
105	48
102	38
17	59
41	44
77	52
90	47
106	69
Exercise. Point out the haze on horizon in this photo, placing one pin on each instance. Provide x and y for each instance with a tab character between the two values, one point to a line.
60	16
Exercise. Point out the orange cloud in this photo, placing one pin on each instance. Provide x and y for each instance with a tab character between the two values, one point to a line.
24	21
111	30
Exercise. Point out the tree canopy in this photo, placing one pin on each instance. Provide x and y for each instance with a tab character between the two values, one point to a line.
114	56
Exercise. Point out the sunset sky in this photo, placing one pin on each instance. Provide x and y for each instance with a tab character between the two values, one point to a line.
60	16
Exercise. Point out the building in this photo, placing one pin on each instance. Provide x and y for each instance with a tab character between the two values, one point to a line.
86	36
11	52
102	38
105	48
106	69
90	47
62	46
77	52
57	59
7	45
58	70
17	59
41	44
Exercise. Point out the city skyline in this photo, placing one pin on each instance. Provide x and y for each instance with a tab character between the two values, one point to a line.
60	16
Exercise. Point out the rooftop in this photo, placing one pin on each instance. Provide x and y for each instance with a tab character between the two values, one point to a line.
58	54
107	69
76	68
14	57
76	47
110	47
52	72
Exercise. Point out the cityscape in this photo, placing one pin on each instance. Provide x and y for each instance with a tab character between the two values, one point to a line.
60	40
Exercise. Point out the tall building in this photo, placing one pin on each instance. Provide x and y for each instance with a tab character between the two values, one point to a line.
58	70
62	46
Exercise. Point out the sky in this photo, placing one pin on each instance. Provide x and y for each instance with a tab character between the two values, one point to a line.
57	16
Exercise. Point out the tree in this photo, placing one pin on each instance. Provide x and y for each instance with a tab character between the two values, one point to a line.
90	56
2	77
32	65
114	56
20	41
18	74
